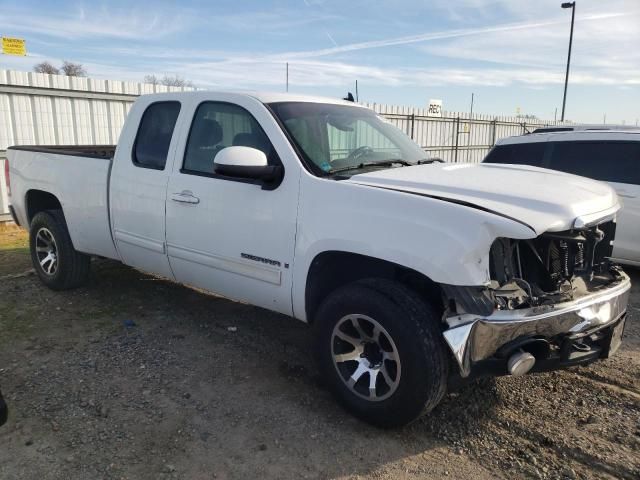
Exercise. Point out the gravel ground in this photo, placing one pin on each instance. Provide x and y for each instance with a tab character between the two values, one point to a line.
133	377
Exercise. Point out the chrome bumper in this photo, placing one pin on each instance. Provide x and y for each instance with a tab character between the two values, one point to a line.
474	338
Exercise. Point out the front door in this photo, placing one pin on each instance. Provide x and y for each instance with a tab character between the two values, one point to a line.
227	235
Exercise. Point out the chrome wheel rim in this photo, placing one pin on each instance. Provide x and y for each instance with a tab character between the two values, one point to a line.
365	357
47	251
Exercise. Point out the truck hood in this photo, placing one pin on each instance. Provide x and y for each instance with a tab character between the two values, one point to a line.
544	200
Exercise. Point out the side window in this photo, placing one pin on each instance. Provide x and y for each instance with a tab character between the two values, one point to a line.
151	146
217	126
607	161
518	153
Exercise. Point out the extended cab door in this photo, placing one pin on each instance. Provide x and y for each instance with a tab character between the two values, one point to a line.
230	235
138	184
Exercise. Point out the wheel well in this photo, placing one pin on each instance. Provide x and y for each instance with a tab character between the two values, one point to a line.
38	201
331	270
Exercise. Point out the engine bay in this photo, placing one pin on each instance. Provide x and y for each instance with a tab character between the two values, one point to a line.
552	268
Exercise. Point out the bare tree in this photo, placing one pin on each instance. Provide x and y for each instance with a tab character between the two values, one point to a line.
527	116
168	80
175	81
46	67
152	79
73	69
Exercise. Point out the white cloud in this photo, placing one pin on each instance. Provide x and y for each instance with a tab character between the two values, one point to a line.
530	52
604	50
98	23
278	20
144	23
251	73
514	28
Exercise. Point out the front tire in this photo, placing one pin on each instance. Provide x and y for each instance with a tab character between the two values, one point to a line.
57	263
381	352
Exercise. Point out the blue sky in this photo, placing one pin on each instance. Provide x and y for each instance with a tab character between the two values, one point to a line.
510	53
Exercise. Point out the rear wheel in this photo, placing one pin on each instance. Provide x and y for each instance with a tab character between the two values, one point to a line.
381	351
57	263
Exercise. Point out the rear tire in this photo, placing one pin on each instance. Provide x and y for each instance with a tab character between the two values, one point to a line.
57	263
408	362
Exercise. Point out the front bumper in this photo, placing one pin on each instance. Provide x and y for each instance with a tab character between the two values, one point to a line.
475	339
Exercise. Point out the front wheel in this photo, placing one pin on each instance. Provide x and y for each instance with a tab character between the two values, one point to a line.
57	263
381	351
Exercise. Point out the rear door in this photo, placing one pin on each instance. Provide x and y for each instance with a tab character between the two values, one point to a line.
138	186
229	235
618	163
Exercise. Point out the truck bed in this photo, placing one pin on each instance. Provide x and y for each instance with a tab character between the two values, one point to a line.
78	178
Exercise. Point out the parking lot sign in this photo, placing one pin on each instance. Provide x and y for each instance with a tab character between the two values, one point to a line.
435	108
14	46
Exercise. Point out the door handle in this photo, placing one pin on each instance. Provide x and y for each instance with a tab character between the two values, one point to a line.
185	197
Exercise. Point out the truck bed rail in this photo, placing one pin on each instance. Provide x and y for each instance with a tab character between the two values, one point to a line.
92	151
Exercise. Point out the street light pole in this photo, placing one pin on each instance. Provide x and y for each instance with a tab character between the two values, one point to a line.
572	6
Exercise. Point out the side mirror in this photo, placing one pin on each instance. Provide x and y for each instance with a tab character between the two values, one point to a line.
245	162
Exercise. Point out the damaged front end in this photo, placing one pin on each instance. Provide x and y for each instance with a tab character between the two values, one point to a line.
554	267
552	301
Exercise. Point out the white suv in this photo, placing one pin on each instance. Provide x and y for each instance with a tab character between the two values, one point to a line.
610	154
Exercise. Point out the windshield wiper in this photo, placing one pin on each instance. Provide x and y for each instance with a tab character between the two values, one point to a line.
384	163
426	161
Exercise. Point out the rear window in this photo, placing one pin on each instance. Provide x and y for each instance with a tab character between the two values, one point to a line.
151	147
518	153
607	161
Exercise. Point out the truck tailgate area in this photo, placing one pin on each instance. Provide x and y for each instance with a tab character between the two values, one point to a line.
79	181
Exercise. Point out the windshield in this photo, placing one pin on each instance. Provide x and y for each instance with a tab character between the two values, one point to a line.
336	138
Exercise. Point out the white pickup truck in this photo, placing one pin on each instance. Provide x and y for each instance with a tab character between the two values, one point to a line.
414	273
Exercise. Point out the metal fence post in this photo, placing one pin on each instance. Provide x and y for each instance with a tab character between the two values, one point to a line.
413	124
455	152
494	124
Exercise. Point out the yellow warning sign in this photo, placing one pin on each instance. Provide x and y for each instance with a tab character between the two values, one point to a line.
14	46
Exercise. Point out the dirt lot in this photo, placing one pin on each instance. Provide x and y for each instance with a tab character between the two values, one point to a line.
133	377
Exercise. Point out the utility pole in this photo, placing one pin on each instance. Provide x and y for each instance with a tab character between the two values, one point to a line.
572	6
287	76
357	98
